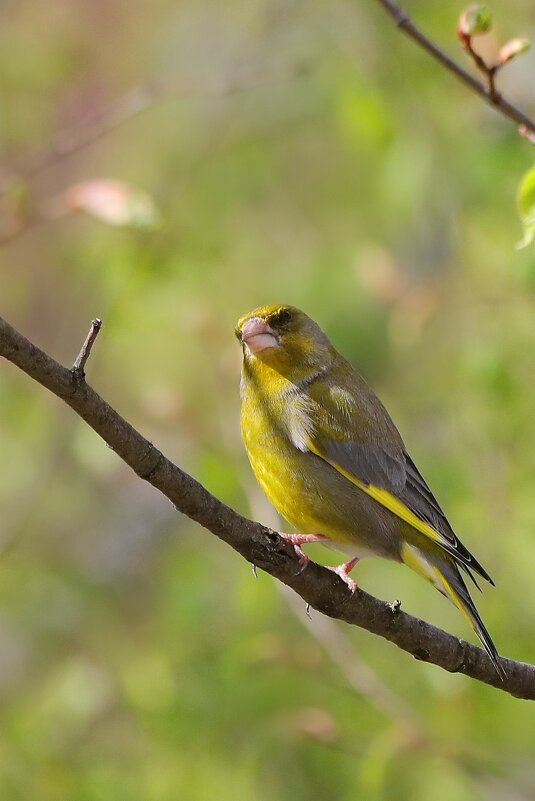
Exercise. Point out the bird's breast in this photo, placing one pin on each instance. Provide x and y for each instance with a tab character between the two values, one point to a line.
310	494
275	432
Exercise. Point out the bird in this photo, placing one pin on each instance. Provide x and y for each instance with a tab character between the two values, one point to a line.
329	458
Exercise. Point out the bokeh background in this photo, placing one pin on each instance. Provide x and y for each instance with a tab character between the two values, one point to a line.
300	152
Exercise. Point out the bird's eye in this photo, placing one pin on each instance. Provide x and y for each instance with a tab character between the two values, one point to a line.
282	317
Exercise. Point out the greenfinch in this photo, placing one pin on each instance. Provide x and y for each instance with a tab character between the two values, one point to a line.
331	461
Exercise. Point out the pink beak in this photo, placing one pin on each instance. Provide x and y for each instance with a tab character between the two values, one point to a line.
257	335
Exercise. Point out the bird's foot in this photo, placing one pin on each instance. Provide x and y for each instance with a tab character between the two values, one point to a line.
344	570
301	539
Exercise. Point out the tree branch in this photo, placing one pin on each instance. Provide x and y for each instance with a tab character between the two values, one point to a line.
489	93
261	546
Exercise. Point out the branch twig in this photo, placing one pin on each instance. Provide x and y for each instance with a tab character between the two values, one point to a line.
70	141
260	545
488	93
78	367
360	676
67	143
488	70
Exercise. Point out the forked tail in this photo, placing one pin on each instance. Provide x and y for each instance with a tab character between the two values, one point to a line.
440	569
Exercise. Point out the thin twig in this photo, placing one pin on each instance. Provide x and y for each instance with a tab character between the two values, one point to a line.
489	70
78	368
360	676
489	94
74	139
71	140
261	546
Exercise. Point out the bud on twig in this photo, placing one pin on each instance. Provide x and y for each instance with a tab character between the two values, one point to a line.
474	20
512	49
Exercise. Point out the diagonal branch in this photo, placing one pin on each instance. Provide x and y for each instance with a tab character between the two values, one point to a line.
488	93
259	545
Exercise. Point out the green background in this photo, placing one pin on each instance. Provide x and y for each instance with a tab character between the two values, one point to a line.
300	152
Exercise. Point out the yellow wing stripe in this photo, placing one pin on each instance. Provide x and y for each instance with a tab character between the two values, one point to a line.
389	501
417	562
452	595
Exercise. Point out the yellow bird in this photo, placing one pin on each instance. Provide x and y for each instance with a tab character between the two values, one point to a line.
331	461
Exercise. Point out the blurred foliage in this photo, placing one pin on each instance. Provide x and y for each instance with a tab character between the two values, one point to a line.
526	207
297	152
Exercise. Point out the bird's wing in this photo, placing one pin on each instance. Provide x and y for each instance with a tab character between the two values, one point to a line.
417	495
384	472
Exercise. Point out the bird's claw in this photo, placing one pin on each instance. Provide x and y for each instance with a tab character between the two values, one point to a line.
301	539
303	558
343	572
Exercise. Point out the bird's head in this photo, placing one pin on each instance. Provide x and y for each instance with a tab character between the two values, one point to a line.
285	339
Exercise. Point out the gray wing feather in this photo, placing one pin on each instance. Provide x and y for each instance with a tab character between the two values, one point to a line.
397	473
417	496
371	464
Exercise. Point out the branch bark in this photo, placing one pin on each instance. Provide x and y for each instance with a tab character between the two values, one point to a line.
261	546
489	93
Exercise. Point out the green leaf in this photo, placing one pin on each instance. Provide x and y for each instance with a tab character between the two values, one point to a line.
526	207
474	20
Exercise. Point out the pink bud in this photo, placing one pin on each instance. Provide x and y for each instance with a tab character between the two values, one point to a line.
512	49
474	20
113	202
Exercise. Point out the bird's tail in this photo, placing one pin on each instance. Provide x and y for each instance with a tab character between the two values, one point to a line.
440	569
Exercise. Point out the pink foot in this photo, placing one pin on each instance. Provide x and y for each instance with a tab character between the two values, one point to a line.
301	539
344	570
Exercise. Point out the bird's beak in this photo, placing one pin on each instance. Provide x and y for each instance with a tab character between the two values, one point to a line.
257	335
